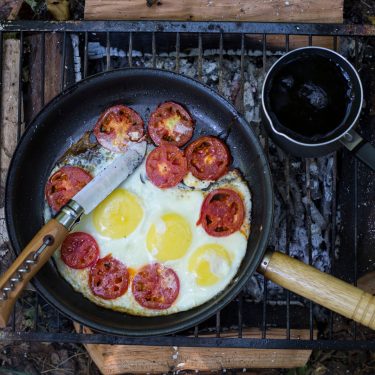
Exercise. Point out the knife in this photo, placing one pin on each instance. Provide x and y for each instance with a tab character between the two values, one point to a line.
52	234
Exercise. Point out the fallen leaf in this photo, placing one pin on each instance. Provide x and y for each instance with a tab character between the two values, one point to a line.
59	9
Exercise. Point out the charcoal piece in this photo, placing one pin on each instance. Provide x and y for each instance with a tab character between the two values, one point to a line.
316	216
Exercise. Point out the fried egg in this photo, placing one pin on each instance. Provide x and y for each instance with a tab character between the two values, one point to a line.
139	224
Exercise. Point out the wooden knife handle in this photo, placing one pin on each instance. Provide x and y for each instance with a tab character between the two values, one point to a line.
320	287
47	240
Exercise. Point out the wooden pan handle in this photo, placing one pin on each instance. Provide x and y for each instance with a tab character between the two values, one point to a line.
27	264
319	287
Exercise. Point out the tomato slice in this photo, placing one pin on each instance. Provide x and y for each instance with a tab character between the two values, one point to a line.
64	184
156	286
208	158
118	126
109	278
166	166
170	123
222	213
79	250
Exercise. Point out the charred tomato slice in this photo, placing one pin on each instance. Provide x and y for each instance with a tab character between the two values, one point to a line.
64	184
109	278
118	126
222	212
166	166
208	158
156	286
170	123
79	250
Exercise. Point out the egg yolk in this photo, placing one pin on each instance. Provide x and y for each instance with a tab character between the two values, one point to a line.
118	215
209	263
169	238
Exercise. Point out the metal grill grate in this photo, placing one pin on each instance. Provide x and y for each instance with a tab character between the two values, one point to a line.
160	37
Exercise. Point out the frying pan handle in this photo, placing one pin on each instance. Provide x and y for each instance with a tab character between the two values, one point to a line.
27	264
319	287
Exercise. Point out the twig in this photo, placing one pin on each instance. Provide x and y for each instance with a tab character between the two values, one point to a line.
72	356
364	3
61	363
58	369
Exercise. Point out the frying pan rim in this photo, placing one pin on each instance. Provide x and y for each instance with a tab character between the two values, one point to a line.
236	287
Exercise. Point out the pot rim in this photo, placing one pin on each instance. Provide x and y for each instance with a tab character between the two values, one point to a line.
348	128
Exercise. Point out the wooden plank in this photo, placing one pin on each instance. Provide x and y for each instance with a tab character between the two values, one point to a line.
53	49
295	41
204	10
119	359
9	101
9	107
51	69
9	9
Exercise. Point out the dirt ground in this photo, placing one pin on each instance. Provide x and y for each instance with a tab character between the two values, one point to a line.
44	358
359	11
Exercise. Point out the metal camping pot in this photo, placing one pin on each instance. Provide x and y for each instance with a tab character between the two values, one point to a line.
311	102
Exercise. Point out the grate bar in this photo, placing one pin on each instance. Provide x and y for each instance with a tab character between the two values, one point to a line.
196	331
42	67
85	51
309	244
333	221
130	53
108	51
14	317
153	50
190	341
200	58
218	326
192	27
62	83
265	283
221	51
287	228
36	312
333	231
264	68
355	201
20	64
288	238
240	314
1	94
355	236
241	106
58	320
177	52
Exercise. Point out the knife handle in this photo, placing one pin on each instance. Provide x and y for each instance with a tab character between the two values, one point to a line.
27	264
34	256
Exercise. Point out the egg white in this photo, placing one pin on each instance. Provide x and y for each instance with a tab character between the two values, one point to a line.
132	250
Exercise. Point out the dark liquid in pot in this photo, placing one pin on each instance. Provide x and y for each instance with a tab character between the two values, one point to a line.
310	97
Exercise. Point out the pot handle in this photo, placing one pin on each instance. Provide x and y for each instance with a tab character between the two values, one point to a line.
362	149
319	287
27	264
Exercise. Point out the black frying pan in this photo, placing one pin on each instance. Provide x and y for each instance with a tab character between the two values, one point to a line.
75	111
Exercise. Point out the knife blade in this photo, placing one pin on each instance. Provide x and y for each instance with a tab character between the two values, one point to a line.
110	177
53	233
